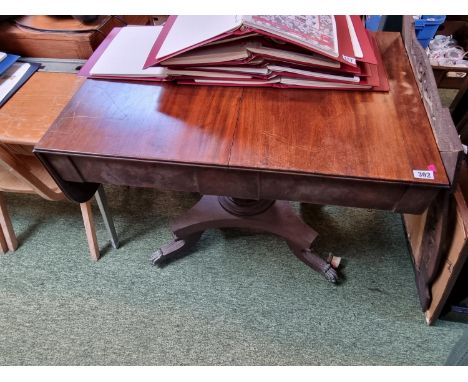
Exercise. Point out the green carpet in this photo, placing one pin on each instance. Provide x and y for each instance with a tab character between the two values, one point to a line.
239	299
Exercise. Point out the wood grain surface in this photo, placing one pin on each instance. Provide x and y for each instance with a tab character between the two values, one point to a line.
363	135
148	122
355	134
29	113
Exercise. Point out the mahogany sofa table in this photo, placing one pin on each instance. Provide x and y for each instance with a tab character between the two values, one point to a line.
251	150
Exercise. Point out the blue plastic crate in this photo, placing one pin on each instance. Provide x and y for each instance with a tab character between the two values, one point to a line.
426	28
373	22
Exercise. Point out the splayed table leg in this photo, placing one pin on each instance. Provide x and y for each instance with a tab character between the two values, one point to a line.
276	217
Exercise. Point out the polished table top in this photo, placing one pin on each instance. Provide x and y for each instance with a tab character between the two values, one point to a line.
148	134
370	135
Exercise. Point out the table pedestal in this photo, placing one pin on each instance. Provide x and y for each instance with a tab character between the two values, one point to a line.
276	217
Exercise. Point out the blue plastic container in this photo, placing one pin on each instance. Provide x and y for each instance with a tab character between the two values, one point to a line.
426	28
373	22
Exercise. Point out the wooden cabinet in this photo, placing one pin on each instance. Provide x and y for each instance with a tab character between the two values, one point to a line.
60	37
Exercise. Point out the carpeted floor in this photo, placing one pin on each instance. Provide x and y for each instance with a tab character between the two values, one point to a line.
239	299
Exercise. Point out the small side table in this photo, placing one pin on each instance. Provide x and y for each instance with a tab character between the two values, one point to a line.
23	121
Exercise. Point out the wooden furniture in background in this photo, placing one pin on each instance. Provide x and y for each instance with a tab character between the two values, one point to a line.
431	226
454	247
252	146
3	243
25	174
8	241
457	249
60	36
23	121
450	77
29	113
159	19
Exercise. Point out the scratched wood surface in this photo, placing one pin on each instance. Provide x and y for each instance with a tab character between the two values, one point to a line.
366	135
134	120
29	113
357	134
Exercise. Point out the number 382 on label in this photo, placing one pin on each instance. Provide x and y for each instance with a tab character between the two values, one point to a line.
423	174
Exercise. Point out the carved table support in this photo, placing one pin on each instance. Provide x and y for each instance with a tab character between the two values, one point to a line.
276	217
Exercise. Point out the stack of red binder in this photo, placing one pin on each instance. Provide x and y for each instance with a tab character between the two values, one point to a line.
317	52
